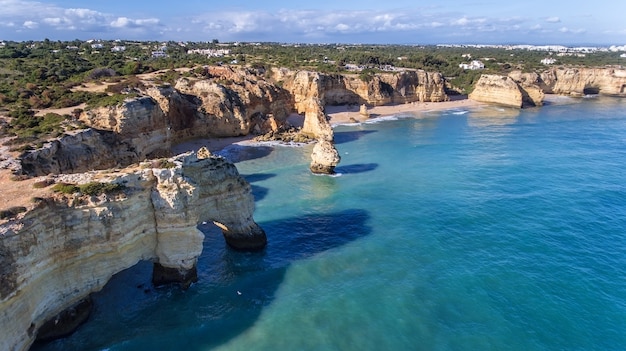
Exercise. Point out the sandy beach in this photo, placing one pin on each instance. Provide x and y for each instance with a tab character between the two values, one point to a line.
338	115
17	193
349	114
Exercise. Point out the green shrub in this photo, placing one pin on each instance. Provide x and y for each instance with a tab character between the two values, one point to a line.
12	212
65	188
105	100
91	188
97	188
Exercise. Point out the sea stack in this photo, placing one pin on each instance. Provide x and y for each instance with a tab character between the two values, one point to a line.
324	156
363	111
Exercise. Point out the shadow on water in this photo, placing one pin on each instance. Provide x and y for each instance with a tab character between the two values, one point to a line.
349	136
238	153
356	168
258	177
232	292
259	192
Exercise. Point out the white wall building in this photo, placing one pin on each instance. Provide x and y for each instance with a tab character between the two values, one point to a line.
474	65
548	61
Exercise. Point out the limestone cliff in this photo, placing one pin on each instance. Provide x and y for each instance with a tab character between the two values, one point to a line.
532	87
528	89
69	246
236	103
378	89
504	90
580	81
221	102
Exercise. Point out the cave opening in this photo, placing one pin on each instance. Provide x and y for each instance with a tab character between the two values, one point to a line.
591	91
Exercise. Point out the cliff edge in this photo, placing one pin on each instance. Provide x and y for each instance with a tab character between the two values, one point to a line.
69	245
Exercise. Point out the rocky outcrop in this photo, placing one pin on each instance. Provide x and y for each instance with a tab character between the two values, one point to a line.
531	86
528	89
504	90
378	89
223	102
581	81
325	157
69	246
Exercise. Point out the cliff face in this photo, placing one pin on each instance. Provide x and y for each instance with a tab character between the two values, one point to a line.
528	89
581	81
382	88
497	89
69	246
225	102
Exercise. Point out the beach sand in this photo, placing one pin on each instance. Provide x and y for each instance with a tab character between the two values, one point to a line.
14	193
338	115
349	114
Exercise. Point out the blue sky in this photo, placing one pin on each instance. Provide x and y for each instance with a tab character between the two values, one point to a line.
573	22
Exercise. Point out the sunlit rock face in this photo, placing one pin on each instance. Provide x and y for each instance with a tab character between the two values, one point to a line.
325	157
578	81
68	246
504	90
378	89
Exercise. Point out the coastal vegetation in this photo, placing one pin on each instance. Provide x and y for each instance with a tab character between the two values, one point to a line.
36	75
91	188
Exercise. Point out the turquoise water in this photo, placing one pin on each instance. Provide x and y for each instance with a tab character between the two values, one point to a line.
482	229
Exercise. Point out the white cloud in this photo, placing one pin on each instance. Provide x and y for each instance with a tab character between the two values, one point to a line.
31	24
571	31
125	22
431	23
41	16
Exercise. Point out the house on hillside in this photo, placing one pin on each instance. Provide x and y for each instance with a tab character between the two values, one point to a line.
158	53
548	61
474	65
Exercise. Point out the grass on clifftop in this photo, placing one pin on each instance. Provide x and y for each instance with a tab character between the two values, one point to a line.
92	188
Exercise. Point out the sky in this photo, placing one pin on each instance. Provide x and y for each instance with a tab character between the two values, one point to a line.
539	22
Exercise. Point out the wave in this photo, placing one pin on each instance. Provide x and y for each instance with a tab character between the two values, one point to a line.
461	112
334	175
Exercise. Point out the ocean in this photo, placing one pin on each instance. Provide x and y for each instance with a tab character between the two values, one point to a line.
470	229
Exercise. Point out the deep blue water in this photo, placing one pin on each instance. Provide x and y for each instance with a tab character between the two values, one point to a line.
482	229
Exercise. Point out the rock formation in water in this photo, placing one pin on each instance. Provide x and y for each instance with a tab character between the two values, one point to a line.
578	81
224	102
55	254
504	90
528	89
325	157
68	246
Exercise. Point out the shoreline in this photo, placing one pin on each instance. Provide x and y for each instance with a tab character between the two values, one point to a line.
17	193
338	115
345	114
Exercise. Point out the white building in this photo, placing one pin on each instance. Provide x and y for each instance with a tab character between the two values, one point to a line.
158	53
548	61
97	46
118	48
474	65
210	52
